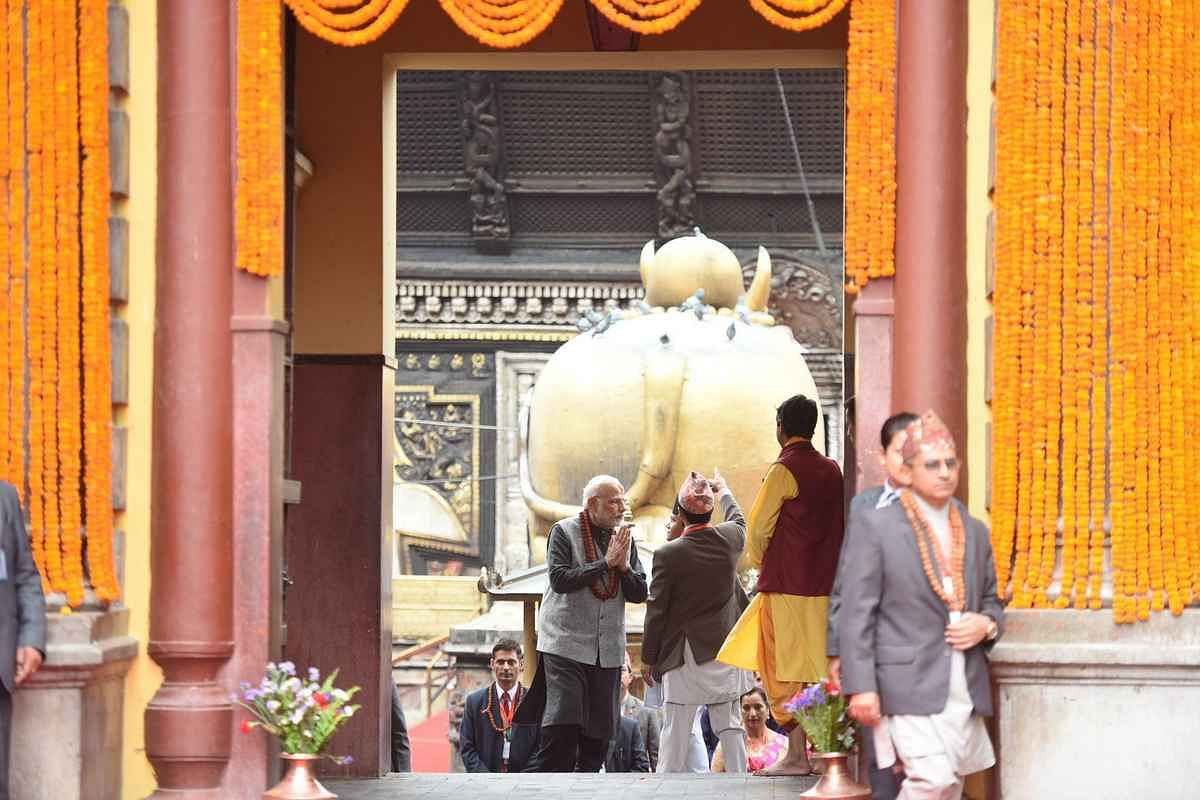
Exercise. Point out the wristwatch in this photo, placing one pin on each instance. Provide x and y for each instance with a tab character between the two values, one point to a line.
993	630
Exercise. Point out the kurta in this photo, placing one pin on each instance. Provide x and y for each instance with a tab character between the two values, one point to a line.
795	537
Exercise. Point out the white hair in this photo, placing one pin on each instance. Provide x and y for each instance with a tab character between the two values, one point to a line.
593	486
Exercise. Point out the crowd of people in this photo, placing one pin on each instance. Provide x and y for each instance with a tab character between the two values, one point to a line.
893	605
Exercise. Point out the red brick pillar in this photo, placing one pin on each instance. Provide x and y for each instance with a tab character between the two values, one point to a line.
929	350
189	721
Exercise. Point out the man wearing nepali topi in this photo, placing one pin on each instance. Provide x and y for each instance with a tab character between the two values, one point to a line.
919	612
695	599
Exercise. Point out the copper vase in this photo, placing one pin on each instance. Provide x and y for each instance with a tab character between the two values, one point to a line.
837	781
299	780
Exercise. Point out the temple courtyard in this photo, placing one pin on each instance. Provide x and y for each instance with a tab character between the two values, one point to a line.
551	786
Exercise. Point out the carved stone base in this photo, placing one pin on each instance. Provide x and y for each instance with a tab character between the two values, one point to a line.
1092	709
68	718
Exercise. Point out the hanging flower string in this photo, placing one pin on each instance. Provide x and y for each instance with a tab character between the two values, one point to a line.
55	396
1095	301
870	144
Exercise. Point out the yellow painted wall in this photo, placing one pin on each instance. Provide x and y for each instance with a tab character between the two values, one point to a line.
979	110
142	106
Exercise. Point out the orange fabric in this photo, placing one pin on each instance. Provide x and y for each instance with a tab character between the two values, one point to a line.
778	691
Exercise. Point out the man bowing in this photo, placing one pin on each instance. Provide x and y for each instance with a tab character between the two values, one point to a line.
594	570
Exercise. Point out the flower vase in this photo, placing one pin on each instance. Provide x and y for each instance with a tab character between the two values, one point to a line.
299	780
837	781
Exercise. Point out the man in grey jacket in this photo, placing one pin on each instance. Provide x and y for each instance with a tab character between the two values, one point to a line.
594	570
919	611
22	616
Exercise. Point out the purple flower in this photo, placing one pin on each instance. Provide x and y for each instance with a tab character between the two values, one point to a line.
288	667
314	674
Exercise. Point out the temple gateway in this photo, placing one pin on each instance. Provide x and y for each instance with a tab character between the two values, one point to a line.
314	312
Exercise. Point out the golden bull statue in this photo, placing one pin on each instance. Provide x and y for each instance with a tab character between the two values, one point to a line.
689	382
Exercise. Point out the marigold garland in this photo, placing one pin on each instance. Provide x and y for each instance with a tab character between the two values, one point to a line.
652	18
1094	305
259	191
949	565
97	374
501	32
603	588
813	13
870	143
55	400
68	418
366	29
15	356
8	375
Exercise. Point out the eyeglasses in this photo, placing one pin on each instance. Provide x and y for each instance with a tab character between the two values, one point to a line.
935	464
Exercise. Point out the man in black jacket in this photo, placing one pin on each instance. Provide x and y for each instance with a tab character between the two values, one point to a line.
627	752
487	739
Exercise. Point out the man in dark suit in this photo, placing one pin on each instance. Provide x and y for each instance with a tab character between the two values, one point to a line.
695	600
487	738
22	616
627	752
919	611
884	783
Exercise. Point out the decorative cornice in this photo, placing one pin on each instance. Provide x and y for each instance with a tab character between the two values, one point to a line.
508	302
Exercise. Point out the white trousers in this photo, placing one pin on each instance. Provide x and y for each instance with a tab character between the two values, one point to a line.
930	778
676	752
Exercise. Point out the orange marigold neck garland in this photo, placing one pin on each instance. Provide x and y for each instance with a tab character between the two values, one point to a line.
606	588
951	565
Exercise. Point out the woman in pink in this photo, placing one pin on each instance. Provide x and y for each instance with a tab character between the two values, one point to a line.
763	746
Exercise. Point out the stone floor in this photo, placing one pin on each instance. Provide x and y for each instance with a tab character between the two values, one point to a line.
625	786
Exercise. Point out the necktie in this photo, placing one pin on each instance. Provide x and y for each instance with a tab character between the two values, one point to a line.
505	707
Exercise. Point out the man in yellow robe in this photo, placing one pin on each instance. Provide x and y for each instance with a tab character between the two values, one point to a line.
795	537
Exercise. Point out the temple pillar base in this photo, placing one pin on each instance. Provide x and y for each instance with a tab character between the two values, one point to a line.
68	718
1091	709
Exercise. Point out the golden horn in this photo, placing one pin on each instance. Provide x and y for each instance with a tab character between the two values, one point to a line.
760	287
647	263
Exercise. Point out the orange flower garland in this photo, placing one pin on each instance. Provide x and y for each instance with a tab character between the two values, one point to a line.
1101	213
801	15
1006	302
870	144
70	441
951	566
603	588
647	18
472	17
8	375
366	27
54	332
14	358
1097	285
97	375
38	58
260	191
1070	306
